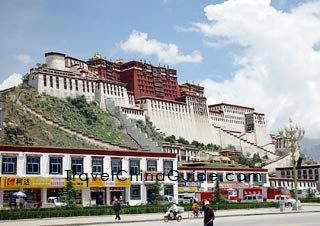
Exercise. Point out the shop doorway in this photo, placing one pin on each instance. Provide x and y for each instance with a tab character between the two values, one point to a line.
98	196
116	194
150	191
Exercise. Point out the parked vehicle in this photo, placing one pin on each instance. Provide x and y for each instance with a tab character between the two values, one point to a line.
265	192
54	202
229	194
186	198
317	195
252	198
288	201
205	195
168	199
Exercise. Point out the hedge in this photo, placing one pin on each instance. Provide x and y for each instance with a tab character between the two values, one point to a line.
314	200
108	210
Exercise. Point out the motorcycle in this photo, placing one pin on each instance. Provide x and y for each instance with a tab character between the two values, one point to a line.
169	216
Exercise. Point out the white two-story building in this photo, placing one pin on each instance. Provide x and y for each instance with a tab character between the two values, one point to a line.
101	175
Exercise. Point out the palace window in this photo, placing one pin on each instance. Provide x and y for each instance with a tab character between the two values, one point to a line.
55	165
33	165
65	83
51	81
9	165
57	82
44	80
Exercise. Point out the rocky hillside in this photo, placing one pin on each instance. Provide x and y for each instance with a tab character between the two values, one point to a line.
24	128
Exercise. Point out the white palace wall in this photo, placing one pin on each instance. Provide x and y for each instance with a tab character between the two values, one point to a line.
64	84
170	118
179	120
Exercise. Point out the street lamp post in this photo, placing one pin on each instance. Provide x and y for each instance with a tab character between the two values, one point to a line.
292	134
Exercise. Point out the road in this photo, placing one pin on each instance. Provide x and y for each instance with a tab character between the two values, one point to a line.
299	219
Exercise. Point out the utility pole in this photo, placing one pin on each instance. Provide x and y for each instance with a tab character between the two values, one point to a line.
293	134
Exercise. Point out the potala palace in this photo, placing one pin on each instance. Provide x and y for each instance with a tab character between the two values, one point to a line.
132	91
136	90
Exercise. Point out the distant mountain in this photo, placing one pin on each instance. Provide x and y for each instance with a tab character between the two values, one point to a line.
311	147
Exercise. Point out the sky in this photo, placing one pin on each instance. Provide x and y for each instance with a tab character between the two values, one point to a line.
256	53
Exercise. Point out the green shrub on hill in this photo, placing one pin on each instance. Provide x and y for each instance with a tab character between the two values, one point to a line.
74	113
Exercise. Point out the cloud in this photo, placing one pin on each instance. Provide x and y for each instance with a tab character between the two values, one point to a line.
166	53
218	43
23	58
13	80
279	71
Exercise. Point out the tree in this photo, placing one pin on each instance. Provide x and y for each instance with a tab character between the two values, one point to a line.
25	78
195	143
230	147
69	193
217	191
292	134
183	141
156	197
310	194
210	147
217	148
256	158
171	139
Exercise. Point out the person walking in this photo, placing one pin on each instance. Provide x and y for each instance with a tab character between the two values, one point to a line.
117	208
208	214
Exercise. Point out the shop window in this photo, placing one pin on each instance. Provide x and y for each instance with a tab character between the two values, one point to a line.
116	166
135	192
168	190
33	165
167	167
77	165
134	167
97	165
9	165
55	165
151	165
